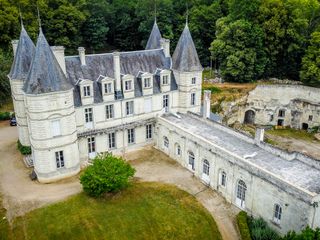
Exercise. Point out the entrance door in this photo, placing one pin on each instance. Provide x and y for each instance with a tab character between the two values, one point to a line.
191	161
249	117
241	194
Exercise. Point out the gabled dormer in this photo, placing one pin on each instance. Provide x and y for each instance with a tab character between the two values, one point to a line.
107	88
86	91
146	83
165	80
128	85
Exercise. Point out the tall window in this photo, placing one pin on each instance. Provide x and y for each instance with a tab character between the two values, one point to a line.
112	140
59	159
191	160
109	111
193	80
178	149
128	85
131	136
55	128
149	131
86	91
241	193
165	80
193	99
108	88
91	145
165	142
206	167
88	114
147	82
223	179
129	108
282	113
277	213
165	102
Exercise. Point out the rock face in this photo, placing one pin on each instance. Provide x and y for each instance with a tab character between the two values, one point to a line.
317	136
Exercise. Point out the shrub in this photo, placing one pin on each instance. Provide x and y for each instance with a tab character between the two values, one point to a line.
4	116
307	233
25	150
259	230
107	174
242	220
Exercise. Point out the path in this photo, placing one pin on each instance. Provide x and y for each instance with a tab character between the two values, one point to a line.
153	165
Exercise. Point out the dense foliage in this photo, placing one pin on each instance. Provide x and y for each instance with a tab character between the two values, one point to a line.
305	234
242	221
259	230
107	174
24	150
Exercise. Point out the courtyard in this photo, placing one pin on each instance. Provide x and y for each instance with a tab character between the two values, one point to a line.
21	195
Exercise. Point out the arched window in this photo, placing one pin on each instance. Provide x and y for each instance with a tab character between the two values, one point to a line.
277	213
223	178
178	149
191	160
241	193
206	167
165	142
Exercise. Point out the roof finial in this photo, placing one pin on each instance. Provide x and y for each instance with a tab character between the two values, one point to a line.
39	19
21	20
155	11
187	14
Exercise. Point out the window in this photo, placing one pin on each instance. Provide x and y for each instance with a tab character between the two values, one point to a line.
149	131
59	159
129	108
206	167
128	85
178	149
193	99
109	111
165	142
165	80
131	135
108	88
165	103
280	122
271	117
310	118
193	80
241	194
191	161
91	145
282	113
147	82
88	114
55	128
148	105
277	213
223	179
112	140
86	91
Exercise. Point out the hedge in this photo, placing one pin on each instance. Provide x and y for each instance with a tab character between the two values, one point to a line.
5	116
25	150
242	220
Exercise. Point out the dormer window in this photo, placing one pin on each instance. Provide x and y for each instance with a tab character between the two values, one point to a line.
86	91
128	85
193	80
165	80
147	82
107	88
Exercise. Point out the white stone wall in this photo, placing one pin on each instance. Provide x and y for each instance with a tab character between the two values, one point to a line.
261	194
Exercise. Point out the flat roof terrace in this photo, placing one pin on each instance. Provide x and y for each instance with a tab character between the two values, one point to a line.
294	172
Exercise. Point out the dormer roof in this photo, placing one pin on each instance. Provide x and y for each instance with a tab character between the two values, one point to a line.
185	57
23	57
45	73
154	38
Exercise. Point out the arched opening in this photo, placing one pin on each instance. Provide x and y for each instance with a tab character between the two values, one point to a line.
165	142
305	126
206	171
241	194
191	159
178	149
223	179
277	212
249	117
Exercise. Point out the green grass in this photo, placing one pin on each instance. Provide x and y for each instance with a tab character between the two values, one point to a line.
143	211
242	221
292	133
4	225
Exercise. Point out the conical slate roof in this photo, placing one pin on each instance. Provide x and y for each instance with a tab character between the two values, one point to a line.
45	73
185	57
154	38
24	54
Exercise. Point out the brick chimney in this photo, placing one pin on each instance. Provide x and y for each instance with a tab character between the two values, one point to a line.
82	55
206	104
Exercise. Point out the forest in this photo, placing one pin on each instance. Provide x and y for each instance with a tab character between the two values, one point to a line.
245	40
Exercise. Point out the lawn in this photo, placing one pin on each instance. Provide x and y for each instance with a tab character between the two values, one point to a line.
4	225
292	133
143	211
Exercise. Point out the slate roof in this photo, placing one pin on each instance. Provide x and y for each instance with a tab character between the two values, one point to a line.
24	54
154	38
185	57
133	63
45	73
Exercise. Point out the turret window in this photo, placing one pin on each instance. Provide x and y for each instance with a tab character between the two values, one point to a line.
86	91
193	80
128	85
59	159
147	82
165	80
193	99
108	88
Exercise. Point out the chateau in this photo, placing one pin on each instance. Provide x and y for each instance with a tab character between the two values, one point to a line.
69	108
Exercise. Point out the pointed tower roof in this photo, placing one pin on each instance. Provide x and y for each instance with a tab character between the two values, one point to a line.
185	57
23	57
154	38
45	73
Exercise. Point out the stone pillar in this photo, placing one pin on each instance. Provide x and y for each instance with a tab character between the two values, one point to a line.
82	55
14	46
165	44
58	52
259	136
206	104
117	75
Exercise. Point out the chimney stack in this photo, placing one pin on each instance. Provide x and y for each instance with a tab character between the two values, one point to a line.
206	104
58	52
117	76
14	46
259	137
82	55
165	44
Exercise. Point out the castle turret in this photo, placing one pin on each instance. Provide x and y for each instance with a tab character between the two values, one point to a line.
188	73
23	53
51	116
154	41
